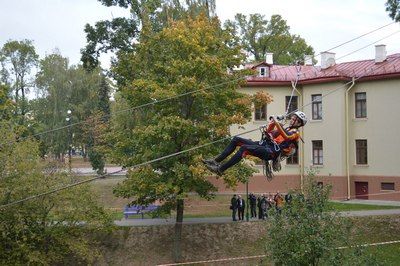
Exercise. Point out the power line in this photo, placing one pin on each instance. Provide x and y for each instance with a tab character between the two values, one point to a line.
174	154
346	42
194	91
167	156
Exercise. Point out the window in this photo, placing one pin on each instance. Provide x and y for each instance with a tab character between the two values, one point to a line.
387	186
318	158
316	106
361	104
361	151
293	159
293	104
260	112
264	72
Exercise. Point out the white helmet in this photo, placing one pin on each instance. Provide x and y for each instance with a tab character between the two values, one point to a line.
302	116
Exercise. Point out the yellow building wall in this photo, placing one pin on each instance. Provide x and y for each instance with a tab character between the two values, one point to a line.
381	128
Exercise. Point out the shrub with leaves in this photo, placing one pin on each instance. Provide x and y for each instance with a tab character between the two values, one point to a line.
48	230
309	232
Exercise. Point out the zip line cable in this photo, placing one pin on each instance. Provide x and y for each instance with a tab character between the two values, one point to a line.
365	34
264	255
115	172
337	46
142	105
390	35
194	91
173	154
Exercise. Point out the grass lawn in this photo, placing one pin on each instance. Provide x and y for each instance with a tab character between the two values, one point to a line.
195	207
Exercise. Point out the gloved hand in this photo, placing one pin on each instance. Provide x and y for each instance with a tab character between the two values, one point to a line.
278	117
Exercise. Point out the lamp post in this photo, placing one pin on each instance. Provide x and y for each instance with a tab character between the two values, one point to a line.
68	119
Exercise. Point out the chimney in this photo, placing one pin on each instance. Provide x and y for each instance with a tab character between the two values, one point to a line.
308	60
327	60
380	53
269	58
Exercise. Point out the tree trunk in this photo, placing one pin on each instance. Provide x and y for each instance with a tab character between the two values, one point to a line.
178	231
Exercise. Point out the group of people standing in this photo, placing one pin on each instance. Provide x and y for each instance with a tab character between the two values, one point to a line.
259	205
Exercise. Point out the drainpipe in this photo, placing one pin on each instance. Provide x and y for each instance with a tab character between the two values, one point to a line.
301	144
347	137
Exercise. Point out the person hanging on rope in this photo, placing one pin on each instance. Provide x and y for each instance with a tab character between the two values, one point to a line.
277	141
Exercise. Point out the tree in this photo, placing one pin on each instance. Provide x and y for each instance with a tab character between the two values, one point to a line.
60	88
120	34
259	36
189	55
6	105
97	127
17	59
393	8
47	230
309	232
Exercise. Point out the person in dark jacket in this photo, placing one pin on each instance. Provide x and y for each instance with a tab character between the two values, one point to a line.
241	206
259	207
234	207
253	205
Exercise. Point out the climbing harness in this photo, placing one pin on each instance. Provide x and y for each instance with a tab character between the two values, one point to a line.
270	166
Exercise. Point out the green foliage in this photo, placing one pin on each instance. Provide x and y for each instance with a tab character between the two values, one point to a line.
259	36
6	105
17	59
60	88
47	230
309	232
189	55
119	34
393	8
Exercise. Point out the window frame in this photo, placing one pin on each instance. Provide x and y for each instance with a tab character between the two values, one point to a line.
320	152
293	159
388	189
261	112
360	105
293	104
316	107
266	72
361	151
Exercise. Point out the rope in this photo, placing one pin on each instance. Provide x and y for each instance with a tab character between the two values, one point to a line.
294	84
216	260
112	173
356	38
133	108
168	156
263	256
194	91
171	155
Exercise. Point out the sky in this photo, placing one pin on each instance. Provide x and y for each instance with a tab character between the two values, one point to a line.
323	24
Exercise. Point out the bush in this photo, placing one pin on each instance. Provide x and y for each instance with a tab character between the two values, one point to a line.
308	232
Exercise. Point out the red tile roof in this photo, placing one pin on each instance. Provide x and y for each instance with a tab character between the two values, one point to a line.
361	70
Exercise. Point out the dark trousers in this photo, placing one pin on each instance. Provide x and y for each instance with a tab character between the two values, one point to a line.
241	213
253	211
247	147
234	210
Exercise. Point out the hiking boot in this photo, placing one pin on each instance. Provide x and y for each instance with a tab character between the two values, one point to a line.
214	169
210	162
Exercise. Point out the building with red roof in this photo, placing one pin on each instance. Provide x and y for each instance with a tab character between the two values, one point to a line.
352	138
